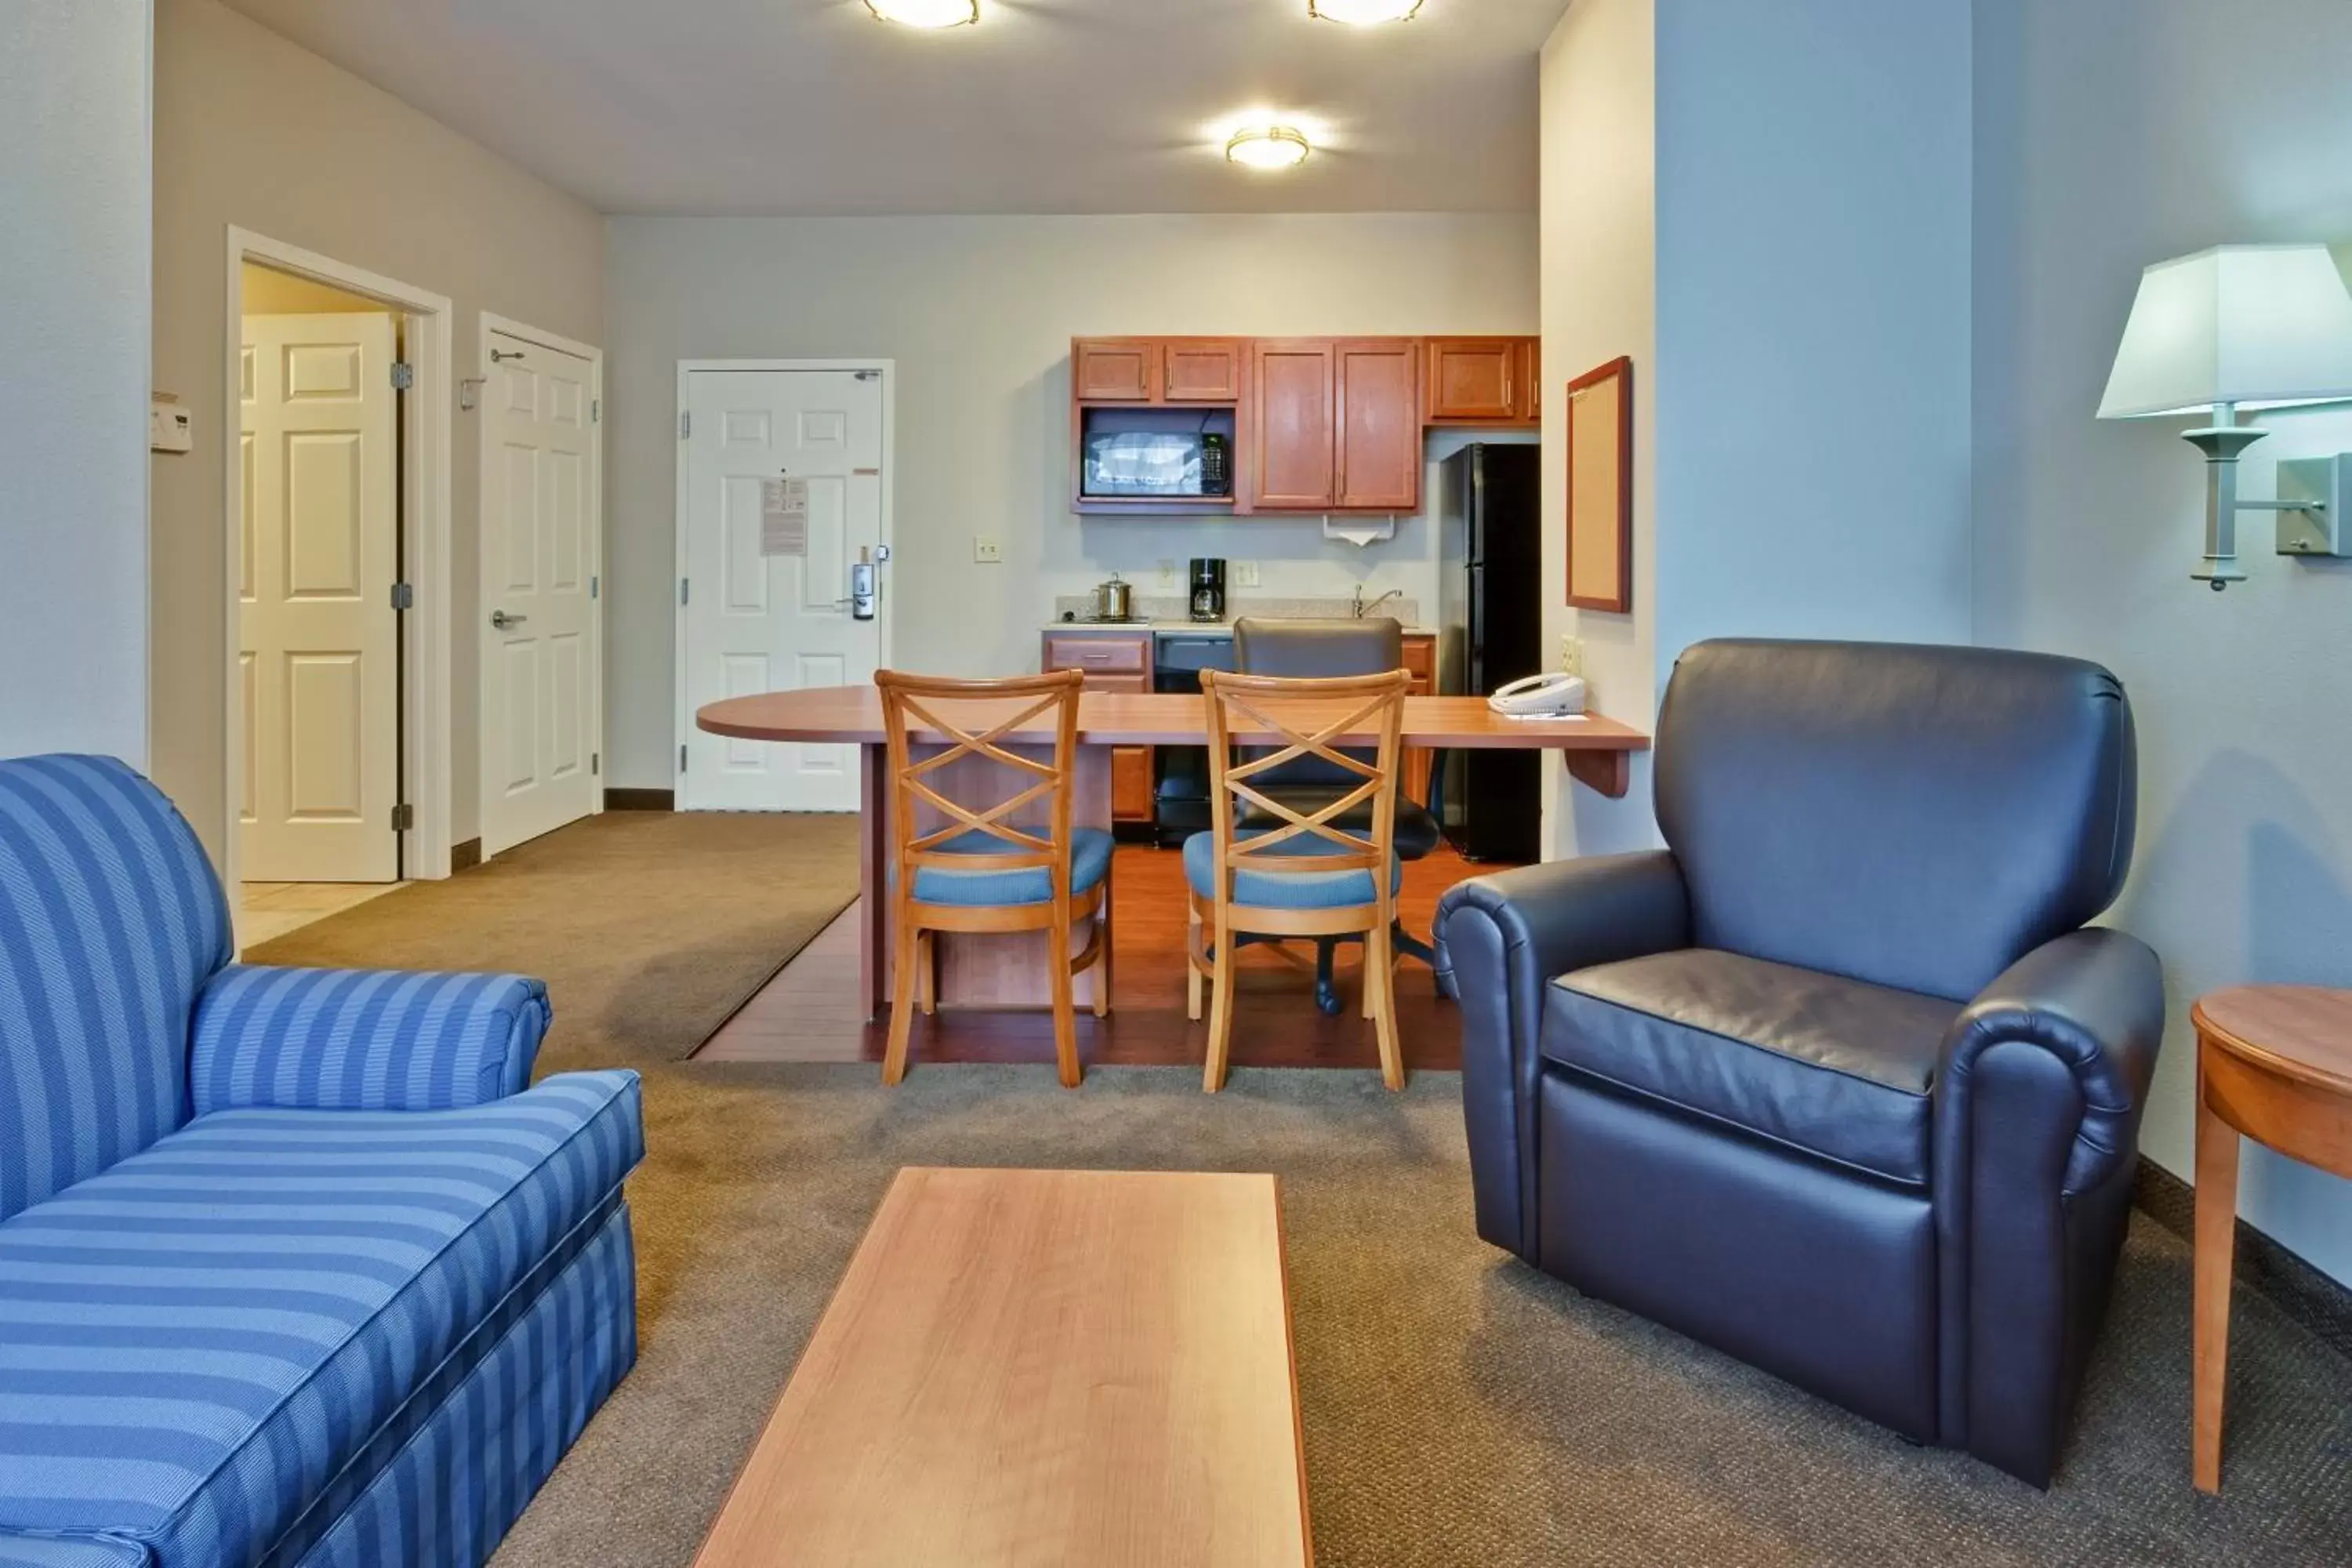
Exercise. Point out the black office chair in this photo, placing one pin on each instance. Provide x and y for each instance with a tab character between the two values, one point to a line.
1303	649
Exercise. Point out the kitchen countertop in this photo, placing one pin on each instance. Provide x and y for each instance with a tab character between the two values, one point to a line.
1183	628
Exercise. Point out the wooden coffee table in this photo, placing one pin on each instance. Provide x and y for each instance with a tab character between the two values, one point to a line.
1040	1367
2274	1064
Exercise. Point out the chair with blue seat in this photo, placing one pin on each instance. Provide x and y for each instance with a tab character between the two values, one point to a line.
1016	865
1272	866
295	1266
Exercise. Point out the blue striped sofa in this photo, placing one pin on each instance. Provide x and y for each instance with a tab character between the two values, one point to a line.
296	1265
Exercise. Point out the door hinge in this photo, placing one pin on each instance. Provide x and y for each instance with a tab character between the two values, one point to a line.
595	763
681	757
403	817
595	411
686	590
592	586
684	426
403	377
403	597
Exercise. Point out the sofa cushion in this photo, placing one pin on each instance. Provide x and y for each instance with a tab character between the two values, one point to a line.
1833	1067
195	1342
109	921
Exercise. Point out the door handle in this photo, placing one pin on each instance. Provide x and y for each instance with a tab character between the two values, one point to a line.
501	620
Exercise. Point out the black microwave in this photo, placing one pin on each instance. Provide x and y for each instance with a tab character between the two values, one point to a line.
1156	465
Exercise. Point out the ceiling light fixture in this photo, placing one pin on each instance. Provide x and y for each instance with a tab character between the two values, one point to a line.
1267	147
927	12
1362	13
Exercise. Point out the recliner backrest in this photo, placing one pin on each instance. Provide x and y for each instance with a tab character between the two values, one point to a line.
110	921
1911	816
1316	649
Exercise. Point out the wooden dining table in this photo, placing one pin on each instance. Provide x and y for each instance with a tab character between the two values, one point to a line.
1001	971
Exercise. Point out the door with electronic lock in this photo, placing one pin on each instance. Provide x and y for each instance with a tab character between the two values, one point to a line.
781	572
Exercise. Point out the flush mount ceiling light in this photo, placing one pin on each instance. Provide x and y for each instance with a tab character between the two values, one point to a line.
927	12
1362	13
1267	147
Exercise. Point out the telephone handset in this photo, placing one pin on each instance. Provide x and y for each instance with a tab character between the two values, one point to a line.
1542	697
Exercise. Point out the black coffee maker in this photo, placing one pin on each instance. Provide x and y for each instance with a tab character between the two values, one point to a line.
1208	589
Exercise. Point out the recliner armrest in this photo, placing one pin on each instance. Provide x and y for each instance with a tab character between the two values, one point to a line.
349	1039
2094	1000
1500	939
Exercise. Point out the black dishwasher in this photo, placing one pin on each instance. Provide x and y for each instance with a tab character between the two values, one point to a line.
1181	787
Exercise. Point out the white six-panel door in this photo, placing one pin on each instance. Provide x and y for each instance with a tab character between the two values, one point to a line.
319	638
760	618
541	678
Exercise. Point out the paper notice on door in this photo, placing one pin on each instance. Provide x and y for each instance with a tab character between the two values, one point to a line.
784	517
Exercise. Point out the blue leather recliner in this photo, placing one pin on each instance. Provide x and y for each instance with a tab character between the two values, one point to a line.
1842	1080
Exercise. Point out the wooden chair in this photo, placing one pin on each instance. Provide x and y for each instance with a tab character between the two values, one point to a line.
1307	873
989	869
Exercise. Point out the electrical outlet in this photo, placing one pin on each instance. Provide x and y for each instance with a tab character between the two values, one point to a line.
1167	574
985	549
1244	573
1572	654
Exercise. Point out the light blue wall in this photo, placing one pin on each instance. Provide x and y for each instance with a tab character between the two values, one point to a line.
2112	133
1813	192
76	219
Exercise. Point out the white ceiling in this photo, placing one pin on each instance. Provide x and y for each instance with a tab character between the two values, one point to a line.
1048	106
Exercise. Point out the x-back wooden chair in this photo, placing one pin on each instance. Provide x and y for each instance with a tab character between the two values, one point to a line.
1303	874
1017	865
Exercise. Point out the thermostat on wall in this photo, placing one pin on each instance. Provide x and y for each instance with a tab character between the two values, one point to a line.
169	428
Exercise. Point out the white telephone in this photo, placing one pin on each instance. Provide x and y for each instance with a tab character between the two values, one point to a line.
1542	697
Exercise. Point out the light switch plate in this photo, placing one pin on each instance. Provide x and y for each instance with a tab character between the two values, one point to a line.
986	551
1572	654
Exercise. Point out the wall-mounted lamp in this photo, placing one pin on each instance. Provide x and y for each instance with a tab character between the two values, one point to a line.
2251	327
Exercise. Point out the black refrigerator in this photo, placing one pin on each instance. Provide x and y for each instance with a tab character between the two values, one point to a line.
1490	633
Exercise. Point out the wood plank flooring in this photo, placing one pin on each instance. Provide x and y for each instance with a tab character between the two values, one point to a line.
809	1012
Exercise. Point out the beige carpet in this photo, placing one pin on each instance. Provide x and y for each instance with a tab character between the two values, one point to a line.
648	927
1460	1409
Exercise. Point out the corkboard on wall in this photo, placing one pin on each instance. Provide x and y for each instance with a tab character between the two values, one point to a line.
1601	487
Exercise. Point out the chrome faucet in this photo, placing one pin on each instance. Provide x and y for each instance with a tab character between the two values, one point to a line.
1360	609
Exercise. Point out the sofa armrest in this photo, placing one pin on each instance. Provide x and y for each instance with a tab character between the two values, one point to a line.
1500	939
350	1039
2038	1103
2092	1000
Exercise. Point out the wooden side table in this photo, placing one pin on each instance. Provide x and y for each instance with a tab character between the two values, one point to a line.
2274	1064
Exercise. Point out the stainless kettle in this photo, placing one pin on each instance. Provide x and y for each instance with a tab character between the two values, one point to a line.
1113	600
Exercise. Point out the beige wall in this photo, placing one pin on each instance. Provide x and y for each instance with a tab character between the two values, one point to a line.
251	131
978	312
1599	300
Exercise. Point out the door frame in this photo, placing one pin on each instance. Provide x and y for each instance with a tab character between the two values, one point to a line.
425	564
683	728
509	326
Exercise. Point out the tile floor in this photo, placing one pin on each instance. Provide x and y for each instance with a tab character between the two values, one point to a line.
266	910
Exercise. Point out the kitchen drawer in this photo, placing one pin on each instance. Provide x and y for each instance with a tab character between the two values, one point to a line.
1097	653
1118	682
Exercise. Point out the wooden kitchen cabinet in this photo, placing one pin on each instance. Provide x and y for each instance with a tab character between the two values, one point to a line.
1288	440
1472	381
1200	370
1114	370
1377	424
1113	661
1481	381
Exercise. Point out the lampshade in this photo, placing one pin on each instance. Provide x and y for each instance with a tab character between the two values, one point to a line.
2262	326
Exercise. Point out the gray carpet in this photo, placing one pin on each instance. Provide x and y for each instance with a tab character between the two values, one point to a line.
1459	1408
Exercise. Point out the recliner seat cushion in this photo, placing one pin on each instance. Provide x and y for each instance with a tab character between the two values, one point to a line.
192	1342
1835	1067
